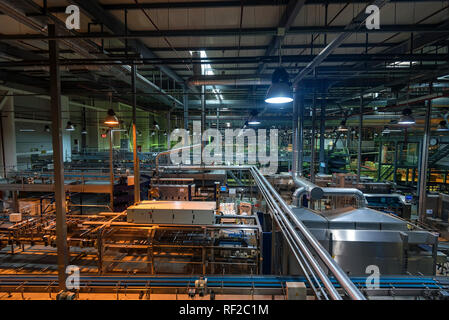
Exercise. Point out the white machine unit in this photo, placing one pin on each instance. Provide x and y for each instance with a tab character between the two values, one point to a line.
172	212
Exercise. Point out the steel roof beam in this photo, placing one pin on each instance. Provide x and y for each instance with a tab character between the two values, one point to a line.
219	4
352	27
261	31
94	10
291	12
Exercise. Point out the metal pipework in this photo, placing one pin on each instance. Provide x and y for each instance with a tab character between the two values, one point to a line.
333	267
229	82
297	195
315	192
298	246
284	211
352	192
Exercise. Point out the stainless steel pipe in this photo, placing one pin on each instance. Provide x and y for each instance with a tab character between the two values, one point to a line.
330	263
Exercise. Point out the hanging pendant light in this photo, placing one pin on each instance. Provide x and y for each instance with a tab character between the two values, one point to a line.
442	126
342	127
111	119
407	117
70	126
279	91
386	130
253	121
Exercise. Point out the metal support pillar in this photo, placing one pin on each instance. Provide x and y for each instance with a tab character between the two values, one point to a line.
203	116
359	148
168	129
379	165
111	171
396	156
84	136
300	134
295	132
56	118
313	144
218	118
135	155
322	133
424	164
186	108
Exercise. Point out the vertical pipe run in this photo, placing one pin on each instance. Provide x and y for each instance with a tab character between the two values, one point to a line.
295	131
135	156
203	116
84	136
186	108
111	170
3	145
313	144
300	134
359	149
56	118
218	119
168	130
424	163
322	133
379	165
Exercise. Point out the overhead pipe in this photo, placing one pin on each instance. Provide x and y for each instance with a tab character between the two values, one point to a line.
269	191
317	193
325	257
350	192
228	82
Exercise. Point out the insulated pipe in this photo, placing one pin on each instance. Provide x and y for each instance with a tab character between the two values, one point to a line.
346	192
316	193
230	82
295	237
300	134
295	137
333	267
297	195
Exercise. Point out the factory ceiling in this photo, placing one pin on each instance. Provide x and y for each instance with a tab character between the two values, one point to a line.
330	59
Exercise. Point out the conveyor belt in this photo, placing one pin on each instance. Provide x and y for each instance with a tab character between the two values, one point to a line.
218	281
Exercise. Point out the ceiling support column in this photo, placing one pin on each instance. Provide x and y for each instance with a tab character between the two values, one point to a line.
322	159
422	182
300	134
313	144
295	131
135	155
186	107
8	136
359	148
61	225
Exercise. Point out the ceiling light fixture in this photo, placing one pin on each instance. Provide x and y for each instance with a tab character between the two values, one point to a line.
342	127
442	126
111	119
279	91
69	126
407	117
